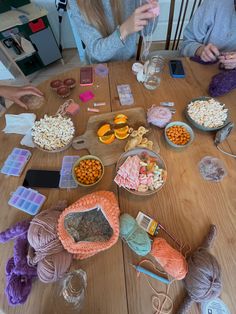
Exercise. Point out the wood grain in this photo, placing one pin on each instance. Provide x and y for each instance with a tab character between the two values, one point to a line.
186	205
110	153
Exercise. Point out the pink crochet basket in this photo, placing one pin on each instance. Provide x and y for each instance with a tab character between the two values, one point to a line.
77	222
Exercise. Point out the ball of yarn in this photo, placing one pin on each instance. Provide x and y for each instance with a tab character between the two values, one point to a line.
159	116
52	260
172	261
203	281
53	267
136	238
18	288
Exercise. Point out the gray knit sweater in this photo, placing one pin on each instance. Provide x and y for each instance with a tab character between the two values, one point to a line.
98	48
213	22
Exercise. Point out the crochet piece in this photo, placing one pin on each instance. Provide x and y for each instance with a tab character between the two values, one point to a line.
222	83
91	226
109	209
19	274
199	60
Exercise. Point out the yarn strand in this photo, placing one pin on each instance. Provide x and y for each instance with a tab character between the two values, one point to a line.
157	305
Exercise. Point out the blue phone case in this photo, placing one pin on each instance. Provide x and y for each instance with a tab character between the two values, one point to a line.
176	75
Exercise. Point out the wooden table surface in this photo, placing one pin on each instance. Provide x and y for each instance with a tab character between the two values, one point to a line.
186	205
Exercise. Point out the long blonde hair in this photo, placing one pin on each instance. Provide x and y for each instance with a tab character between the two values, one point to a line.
93	11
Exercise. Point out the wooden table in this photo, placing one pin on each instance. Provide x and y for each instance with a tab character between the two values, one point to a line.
186	206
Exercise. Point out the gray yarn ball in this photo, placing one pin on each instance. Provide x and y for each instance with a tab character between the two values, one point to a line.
203	280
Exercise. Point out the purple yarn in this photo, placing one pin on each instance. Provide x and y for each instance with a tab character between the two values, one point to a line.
199	60
18	288
222	83
15	231
19	274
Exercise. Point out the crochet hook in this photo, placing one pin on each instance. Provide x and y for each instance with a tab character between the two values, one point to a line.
151	274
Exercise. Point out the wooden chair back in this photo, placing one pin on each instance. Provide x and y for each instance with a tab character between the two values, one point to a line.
185	13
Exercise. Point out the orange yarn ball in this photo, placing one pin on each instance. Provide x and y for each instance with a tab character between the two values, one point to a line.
170	259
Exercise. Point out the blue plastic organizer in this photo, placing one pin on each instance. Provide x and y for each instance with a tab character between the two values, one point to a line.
66	179
15	162
28	200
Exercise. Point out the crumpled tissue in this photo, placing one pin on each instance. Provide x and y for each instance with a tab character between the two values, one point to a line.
21	124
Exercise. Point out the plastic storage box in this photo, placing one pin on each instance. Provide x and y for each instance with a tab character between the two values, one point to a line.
27	200
15	162
66	179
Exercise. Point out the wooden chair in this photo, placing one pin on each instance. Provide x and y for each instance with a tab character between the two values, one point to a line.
187	8
181	15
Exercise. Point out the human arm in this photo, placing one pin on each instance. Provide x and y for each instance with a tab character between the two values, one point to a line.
14	93
196	32
102	48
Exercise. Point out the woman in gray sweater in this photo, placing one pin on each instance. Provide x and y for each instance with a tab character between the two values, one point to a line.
211	33
109	28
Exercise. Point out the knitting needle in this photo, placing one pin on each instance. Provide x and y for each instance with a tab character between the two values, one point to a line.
149	273
169	234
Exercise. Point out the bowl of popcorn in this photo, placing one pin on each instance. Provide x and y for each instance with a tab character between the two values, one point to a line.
207	114
88	170
141	171
53	134
178	134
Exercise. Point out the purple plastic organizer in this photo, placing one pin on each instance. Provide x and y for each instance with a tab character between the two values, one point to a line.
15	162
27	200
66	179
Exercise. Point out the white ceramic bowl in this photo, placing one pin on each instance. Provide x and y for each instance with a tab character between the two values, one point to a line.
187	127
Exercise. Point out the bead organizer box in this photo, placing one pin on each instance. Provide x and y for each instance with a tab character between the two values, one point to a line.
66	179
15	162
28	200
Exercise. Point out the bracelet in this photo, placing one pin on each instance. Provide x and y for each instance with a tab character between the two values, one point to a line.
119	34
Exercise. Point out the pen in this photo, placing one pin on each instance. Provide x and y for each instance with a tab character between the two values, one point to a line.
149	273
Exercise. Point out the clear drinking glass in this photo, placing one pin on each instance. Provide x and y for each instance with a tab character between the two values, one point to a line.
153	74
72	290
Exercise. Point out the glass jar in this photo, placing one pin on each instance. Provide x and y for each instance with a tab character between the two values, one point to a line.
71	291
153	73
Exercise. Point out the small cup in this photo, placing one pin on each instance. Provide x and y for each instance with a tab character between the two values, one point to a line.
63	91
70	82
56	84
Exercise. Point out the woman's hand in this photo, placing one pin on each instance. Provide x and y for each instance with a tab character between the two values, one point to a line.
228	60
138	20
208	53
14	93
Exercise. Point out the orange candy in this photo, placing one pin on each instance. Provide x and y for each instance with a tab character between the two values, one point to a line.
178	135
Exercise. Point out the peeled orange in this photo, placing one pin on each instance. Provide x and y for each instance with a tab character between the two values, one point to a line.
107	139
103	129
121	116
121	136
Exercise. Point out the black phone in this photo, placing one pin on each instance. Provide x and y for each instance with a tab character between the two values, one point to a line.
176	69
41	179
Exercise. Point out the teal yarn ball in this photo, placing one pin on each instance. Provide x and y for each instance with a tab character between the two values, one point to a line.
136	238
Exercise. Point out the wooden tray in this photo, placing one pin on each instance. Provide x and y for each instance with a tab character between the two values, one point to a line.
110	153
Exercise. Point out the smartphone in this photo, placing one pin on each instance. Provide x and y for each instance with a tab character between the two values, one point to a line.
176	69
86	76
41	179
125	94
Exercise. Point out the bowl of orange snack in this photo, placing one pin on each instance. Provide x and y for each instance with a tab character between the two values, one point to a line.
88	170
178	134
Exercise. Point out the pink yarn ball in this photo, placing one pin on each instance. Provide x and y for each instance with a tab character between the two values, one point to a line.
159	116
52	260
